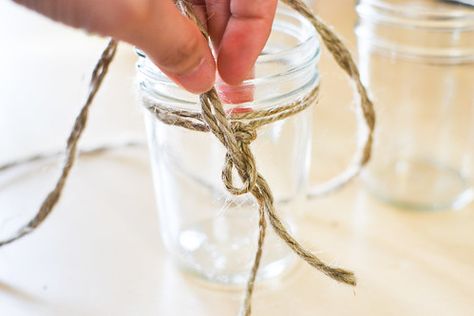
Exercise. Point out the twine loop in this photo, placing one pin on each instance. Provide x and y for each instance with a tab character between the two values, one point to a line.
243	133
244	136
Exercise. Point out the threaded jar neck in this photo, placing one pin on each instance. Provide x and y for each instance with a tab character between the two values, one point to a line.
285	70
436	31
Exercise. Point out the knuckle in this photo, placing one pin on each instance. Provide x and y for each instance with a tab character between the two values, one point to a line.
137	11
183	55
124	19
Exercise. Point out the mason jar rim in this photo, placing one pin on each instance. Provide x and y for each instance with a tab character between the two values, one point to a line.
311	39
450	16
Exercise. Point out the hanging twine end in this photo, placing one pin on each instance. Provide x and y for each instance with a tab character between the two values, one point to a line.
344	276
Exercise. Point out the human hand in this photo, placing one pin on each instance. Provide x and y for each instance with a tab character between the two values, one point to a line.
238	30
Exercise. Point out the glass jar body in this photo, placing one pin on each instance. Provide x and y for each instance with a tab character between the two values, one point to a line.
417	58
209	231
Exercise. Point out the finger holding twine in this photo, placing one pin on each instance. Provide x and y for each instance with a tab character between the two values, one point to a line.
236	131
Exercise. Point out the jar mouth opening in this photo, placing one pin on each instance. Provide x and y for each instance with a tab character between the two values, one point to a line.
423	13
307	47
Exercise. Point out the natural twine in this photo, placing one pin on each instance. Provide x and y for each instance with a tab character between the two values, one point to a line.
235	131
52	198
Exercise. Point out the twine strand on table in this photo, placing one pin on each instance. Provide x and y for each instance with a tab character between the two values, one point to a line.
236	131
90	151
80	123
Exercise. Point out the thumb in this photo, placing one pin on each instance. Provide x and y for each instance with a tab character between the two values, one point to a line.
172	41
176	46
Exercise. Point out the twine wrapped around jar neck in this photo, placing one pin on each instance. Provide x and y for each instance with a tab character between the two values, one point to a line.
235	131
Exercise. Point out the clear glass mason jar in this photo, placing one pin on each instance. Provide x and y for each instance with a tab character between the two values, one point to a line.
207	230
417	59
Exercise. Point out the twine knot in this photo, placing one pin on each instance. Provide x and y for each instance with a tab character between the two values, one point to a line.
243	133
243	160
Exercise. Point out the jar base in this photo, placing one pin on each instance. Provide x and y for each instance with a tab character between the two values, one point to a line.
222	251
239	279
420	184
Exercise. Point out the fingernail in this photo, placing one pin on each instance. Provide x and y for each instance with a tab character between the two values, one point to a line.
235	94
200	79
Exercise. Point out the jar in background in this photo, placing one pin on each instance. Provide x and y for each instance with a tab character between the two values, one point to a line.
207	230
417	59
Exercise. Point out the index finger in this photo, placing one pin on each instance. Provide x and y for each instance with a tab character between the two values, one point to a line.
245	36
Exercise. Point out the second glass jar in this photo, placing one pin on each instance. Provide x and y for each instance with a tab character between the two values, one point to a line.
417	58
